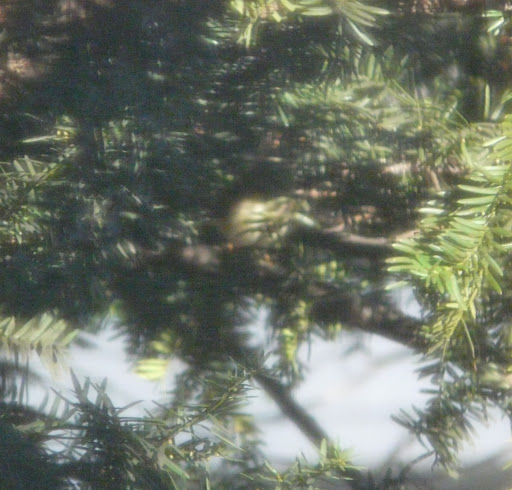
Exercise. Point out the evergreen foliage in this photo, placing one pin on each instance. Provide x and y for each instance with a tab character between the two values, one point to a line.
181	166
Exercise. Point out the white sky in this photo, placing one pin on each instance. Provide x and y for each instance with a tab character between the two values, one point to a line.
351	395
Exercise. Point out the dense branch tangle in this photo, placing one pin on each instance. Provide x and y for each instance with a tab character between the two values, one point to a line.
161	122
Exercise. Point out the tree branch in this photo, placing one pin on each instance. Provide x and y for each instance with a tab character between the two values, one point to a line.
356	246
303	420
372	314
375	315
284	400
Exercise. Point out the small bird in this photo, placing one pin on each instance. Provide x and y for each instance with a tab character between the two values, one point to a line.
258	209
258	222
